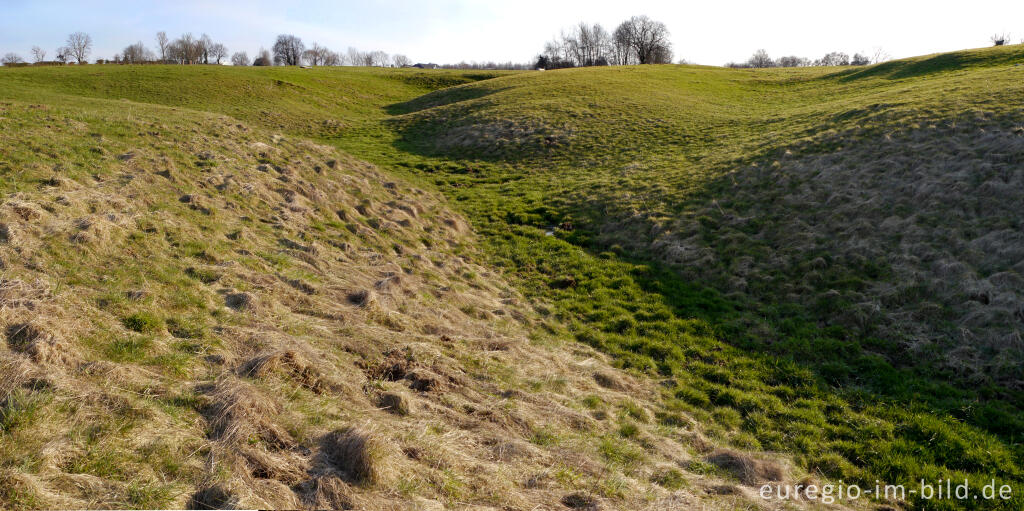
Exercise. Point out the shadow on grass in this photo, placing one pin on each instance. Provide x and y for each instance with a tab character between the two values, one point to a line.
711	356
441	97
451	132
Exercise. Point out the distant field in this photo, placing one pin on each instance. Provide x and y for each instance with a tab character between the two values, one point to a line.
822	262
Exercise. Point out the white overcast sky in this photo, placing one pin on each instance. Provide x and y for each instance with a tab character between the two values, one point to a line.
703	32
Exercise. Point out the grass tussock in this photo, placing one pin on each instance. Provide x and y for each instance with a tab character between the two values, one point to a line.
43	346
746	468
290	362
395	402
239	414
357	453
216	496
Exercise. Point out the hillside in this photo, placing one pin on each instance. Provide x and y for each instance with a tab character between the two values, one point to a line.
201	313
822	265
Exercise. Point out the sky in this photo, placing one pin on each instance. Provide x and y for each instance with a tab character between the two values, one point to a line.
449	31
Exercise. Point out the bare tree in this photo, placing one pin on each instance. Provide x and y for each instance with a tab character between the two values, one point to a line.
400	60
483	65
621	52
379	58
177	51
760	59
192	47
792	61
218	52
836	58
859	59
879	55
316	55
136	54
362	58
585	45
180	50
11	59
162	42
355	57
240	59
288	50
334	59
186	50
263	58
647	40
63	54
80	45
1000	39
205	46
38	54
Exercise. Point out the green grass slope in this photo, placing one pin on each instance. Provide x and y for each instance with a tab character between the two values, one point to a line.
317	103
860	228
814	261
196	312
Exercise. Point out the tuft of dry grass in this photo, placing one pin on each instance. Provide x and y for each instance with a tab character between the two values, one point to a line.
216	496
362	298
395	402
289	362
6	233
609	380
43	346
745	467
14	372
581	501
239	414
328	492
240	301
355	452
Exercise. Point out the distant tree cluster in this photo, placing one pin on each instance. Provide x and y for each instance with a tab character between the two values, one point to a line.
638	40
136	54
77	47
11	59
367	58
189	49
490	65
263	58
1000	39
288	50
761	59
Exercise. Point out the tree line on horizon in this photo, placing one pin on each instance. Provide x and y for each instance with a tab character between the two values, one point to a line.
638	40
288	50
761	59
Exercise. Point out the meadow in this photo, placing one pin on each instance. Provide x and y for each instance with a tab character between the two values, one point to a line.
823	263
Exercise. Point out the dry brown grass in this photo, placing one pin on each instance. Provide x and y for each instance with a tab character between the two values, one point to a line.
248	397
43	346
289	362
357	453
216	496
937	207
239	414
395	402
746	468
328	492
